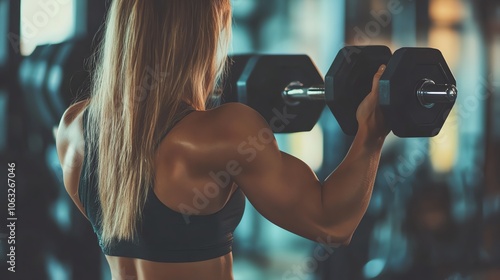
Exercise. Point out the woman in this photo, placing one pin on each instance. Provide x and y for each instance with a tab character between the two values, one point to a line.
166	192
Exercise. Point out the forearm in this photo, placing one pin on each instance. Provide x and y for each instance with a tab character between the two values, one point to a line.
347	191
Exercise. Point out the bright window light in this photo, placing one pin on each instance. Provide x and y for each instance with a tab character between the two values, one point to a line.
307	146
45	22
444	147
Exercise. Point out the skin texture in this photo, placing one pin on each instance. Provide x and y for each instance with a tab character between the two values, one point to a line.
236	140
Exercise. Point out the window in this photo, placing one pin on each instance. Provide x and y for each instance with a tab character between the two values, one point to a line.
45	22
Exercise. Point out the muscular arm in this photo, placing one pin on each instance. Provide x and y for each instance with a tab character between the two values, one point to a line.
287	192
347	191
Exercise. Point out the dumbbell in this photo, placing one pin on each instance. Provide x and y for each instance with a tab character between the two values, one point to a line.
66	75
417	91
51	77
258	80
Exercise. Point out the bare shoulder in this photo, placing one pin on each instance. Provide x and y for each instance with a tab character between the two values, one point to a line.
227	122
218	135
71	148
233	124
236	109
72	113
69	135
243	131
238	118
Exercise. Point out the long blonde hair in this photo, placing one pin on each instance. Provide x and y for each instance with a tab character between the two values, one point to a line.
154	55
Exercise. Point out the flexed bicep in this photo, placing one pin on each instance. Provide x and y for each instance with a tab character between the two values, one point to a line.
281	187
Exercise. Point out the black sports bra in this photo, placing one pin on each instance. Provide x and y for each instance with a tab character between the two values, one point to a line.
165	235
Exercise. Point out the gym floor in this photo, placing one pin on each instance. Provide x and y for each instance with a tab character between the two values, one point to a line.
435	210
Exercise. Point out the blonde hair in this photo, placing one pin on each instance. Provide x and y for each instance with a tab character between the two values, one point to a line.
154	55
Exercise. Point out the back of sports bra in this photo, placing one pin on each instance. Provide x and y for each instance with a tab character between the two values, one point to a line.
165	235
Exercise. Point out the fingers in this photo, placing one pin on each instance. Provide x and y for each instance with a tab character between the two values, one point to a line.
376	78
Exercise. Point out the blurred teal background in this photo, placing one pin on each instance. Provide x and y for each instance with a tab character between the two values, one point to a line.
435	210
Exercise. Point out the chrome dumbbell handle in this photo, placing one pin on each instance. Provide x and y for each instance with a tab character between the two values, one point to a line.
429	93
295	92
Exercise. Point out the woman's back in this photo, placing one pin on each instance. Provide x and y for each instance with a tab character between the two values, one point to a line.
187	192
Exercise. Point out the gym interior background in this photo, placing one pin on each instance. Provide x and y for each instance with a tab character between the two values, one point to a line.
435	211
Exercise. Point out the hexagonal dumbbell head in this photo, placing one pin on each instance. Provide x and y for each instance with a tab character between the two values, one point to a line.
349	81
262	82
405	74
